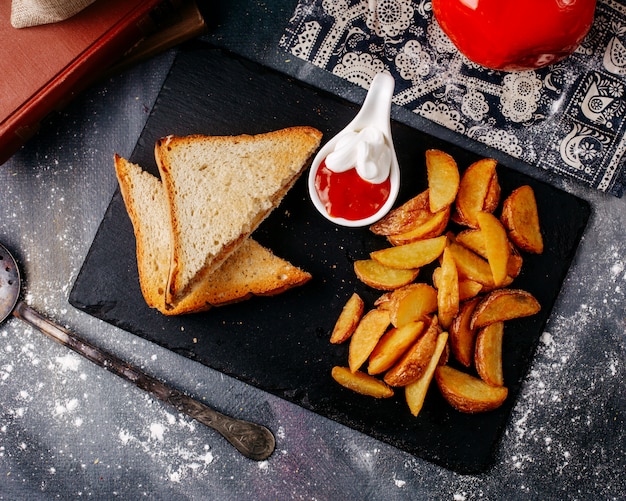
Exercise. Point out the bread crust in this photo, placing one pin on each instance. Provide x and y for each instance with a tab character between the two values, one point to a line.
252	270
152	247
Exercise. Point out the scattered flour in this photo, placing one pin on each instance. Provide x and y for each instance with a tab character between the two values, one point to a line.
154	434
70	362
125	437
5	372
67	407
550	417
399	483
177	460
156	431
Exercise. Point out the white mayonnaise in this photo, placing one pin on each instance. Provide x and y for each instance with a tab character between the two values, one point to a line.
366	150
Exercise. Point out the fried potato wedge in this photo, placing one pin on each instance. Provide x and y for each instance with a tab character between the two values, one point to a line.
467	393
414	362
361	383
412	255
462	336
488	354
383	302
492	199
473	189
415	392
497	246
415	302
406	217
504	304
389	299
381	277
365	337
445	354
521	218
467	288
349	318
430	228
516	261
392	296
448	290
393	345
474	240
471	266
443	179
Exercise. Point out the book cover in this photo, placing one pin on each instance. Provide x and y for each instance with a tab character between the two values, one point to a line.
42	67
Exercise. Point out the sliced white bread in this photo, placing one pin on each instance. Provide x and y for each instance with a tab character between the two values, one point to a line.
219	189
250	270
146	205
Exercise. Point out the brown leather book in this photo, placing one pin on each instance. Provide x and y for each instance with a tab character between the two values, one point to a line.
43	67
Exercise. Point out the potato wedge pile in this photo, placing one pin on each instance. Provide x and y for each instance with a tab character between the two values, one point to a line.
448	329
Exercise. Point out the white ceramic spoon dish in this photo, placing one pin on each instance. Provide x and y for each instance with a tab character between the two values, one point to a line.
374	115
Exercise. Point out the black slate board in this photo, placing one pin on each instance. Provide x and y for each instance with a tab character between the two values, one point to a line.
280	344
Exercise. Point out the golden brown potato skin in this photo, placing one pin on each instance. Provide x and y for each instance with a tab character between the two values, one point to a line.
404	218
504	304
381	277
412	365
467	393
488	354
443	179
474	190
366	335
348	319
415	392
462	336
361	383
392	345
520	216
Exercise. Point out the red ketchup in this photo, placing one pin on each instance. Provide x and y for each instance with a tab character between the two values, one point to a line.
346	195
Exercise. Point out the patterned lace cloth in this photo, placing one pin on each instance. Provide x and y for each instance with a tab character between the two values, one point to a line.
569	118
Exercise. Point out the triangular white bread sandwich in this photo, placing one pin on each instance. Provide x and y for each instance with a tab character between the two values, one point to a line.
219	189
250	270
